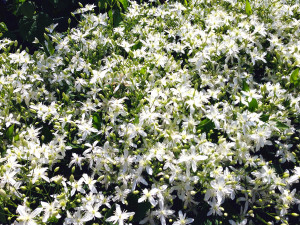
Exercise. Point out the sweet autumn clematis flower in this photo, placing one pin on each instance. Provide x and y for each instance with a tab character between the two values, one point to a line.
26	217
119	216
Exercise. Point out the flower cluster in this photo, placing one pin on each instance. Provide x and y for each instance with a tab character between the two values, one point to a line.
183	114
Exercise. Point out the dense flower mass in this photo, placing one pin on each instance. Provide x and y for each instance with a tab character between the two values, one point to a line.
183	114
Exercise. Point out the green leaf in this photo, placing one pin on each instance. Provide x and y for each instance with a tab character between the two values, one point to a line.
74	146
10	132
264	117
51	49
253	105
137	45
27	27
294	78
117	18
248	8
281	125
97	121
245	86
3	27
2	216
17	137
26	9
205	125
124	3
110	14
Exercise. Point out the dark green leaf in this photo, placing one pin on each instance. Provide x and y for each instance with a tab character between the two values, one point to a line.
245	86
248	8
137	45
281	125
74	146
28	28
110	14
27	9
117	18
10	132
264	117
253	105
2	216
97	121
205	125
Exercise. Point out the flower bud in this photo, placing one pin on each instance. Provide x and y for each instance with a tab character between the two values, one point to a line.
73	169
72	178
2	193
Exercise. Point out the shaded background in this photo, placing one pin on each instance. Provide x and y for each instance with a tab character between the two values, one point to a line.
23	20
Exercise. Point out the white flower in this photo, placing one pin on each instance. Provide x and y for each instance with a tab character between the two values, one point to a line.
182	219
163	212
50	209
215	208
243	222
148	195
119	216
260	137
26	216
92	212
38	173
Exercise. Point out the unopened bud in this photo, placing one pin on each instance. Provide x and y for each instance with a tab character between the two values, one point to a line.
73	169
46	37
72	178
2	193
23	188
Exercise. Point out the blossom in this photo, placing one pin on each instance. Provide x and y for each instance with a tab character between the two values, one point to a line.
39	173
182	219
119	216
149	195
50	209
26	216
163	212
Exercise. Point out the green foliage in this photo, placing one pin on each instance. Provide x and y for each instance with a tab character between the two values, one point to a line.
206	125
10	132
281	125
28	19
245	86
294	77
248	8
26	9
97	121
124	3
3	28
253	105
